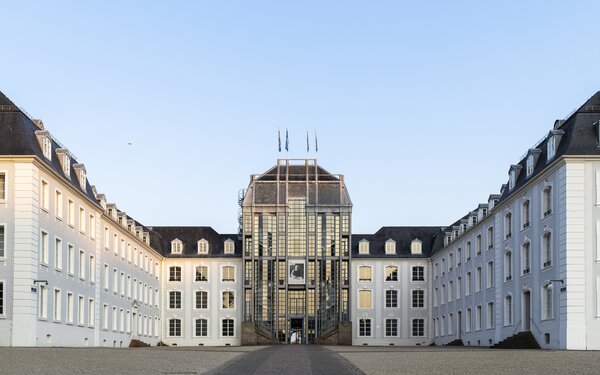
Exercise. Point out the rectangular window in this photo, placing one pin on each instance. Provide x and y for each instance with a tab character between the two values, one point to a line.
92	226
106	277
115	321
364	274
458	287
44	248
364	299
105	317
201	299
508	225
508	266
174	273
525	217
391	298
478	318
71	213
468	284
45	200
547	250
490	238
364	327
122	284
70	308
92	267
58	204
43	302
478	244
547	302
547	201
391	273
228	328
508	311
478	280
174	300
57	305
490	315
468	251
115	280
418	327
82	220
228	300
418	273
490	275
418	298
201	327
228	273
1	298
2	242
525	259
81	311
2	186
106	238
58	250
391	327
81	264
201	273
468	320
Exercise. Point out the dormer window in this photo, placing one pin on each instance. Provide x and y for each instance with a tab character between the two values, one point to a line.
81	175
511	180
82	178
390	246
203	246
529	165
551	147
176	246
47	147
363	247
416	247
229	246
67	165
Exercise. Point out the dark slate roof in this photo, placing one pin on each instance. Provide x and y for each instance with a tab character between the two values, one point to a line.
297	173
579	138
403	237
17	137
161	237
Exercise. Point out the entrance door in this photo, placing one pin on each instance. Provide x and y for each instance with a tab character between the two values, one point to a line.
526	311
134	326
296	330
459	325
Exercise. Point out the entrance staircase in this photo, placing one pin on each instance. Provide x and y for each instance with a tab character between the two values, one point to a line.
521	340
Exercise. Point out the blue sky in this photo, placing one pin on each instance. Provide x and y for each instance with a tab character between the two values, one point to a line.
422	105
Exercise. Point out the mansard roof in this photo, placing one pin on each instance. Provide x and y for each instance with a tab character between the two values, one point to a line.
161	237
297	173
18	138
403	237
579	138
288	179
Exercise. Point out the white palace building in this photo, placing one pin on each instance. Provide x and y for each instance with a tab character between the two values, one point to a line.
521	270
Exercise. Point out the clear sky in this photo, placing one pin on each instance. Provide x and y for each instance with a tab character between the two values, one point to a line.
422	105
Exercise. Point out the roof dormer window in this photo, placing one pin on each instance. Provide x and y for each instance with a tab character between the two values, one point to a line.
229	246
390	247
511	180
529	167
81	175
416	247
203	246
551	147
47	147
363	246
67	165
176	246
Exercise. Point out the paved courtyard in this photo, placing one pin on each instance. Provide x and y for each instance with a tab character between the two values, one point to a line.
291	360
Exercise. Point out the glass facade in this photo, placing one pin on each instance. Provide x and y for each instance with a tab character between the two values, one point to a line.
296	221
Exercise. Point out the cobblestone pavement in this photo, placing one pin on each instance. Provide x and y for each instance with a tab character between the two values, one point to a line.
289	360
451	360
164	360
292	359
